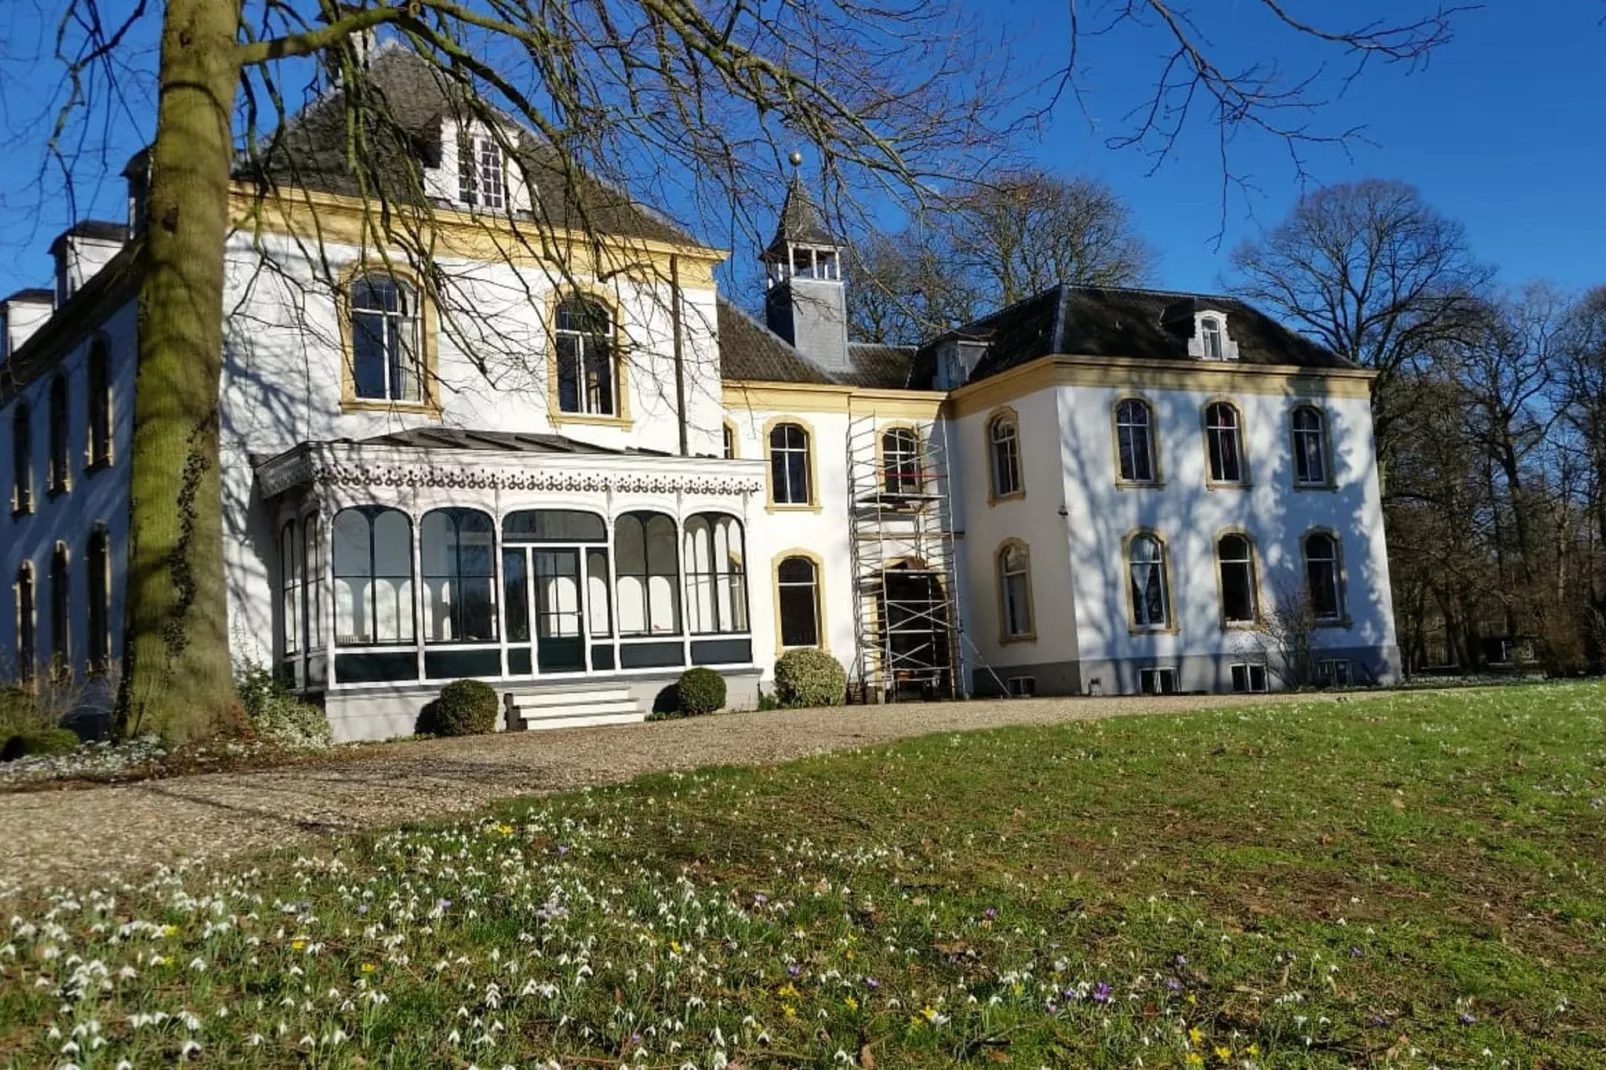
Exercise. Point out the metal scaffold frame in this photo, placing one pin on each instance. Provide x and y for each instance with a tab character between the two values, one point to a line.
905	619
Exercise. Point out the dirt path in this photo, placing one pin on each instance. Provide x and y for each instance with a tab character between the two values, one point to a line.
69	836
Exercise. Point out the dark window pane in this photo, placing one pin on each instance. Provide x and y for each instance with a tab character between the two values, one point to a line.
799	626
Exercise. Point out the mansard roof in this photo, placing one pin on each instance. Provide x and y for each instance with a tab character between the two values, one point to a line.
750	351
801	222
1120	322
419	105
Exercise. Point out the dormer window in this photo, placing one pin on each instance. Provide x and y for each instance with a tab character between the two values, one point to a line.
481	172
1211	339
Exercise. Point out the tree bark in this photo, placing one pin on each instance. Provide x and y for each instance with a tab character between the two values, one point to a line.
177	677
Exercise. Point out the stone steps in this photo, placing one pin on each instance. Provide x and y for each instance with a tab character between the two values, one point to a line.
587	708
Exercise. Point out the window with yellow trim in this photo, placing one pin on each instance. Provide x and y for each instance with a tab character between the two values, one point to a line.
386	354
1003	438
588	379
1015	591
797	586
789	465
1147	575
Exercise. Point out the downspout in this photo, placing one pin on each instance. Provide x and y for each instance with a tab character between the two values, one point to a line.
680	356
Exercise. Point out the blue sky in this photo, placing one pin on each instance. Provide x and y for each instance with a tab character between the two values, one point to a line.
1503	130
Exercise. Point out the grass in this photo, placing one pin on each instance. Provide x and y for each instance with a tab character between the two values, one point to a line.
1407	881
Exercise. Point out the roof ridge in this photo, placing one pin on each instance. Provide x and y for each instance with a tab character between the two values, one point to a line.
1153	290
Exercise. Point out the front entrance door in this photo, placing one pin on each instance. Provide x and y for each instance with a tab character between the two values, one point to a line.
559	642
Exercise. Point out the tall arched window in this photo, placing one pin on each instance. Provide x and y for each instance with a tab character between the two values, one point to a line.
1323	576
1310	445
373	566
1224	443
587	382
385	350
1235	558
791	481
1003	443
1015	591
900	461
797	601
60	448
457	556
1210	336
98	562
1134	440
61	613
99	405
646	573
1151	602
26	599
292	571
21	459
316	584
716	580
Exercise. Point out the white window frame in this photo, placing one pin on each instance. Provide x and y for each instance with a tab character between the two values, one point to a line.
1249	678
397	329
482	172
1003	456
1328	677
1137	592
1217	430
1154	681
1309	442
572	330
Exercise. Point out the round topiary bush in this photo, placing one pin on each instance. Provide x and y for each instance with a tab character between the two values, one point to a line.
810	677
35	741
465	708
700	691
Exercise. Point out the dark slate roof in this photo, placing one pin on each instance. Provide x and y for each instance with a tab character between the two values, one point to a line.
750	350
801	221
1103	321
310	151
879	366
36	295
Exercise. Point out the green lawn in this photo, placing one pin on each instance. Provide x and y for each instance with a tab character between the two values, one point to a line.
1407	881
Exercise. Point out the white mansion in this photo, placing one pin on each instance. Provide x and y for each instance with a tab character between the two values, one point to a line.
574	483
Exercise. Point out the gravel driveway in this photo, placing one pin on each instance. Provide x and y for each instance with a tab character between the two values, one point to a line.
53	837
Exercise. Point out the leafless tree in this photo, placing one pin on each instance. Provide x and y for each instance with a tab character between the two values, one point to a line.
1373	273
1285	637
1001	240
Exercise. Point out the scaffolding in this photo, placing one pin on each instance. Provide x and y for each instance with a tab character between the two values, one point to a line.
905	620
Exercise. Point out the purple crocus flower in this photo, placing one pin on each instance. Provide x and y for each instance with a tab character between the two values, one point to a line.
1182	962
871	983
794	969
1466	1019
443	904
1356	953
990	913
1173	984
1101	993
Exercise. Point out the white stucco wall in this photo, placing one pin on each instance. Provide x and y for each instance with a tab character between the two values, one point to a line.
96	496
1033	519
1189	514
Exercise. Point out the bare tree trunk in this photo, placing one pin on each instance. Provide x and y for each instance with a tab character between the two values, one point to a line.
176	672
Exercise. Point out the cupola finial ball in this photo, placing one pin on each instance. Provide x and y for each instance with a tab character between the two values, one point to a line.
797	159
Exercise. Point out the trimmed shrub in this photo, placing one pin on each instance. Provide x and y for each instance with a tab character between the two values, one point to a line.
465	708
701	691
34	741
810	677
666	703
